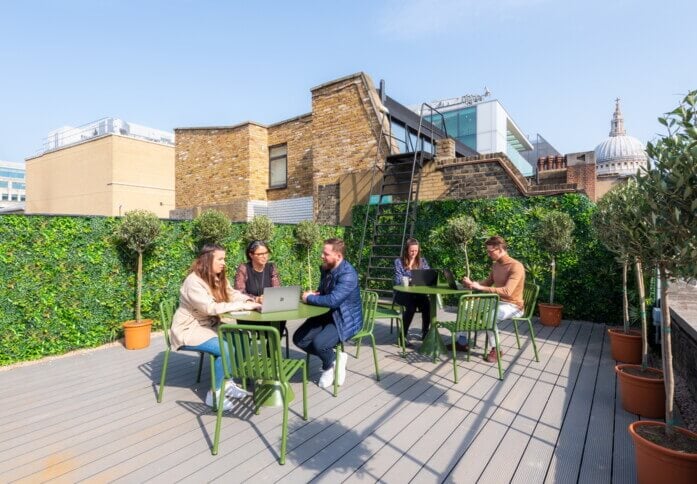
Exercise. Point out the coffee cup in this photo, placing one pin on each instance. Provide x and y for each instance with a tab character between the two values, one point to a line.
405	281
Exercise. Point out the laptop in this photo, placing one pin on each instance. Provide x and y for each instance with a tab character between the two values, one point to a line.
280	299
424	277
450	279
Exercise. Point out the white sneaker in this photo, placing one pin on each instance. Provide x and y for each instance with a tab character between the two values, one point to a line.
327	378
341	375
233	391
227	404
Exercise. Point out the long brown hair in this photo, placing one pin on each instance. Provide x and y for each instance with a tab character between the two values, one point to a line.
203	268
405	252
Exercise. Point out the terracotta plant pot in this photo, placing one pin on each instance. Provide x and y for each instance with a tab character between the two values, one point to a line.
550	314
136	336
655	463
626	347
642	395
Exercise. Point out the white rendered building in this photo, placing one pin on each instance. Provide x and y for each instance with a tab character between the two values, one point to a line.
12	186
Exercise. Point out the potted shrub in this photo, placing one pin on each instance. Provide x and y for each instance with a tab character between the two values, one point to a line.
665	452
211	227
462	230
137	232
554	235
612	229
307	234
641	387
260	227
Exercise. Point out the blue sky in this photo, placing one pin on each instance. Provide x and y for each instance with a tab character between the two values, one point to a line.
555	65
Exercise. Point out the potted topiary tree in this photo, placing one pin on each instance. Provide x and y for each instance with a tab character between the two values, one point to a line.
462	229
211	227
259	228
664	451
554	235
610	222
307	234
137	232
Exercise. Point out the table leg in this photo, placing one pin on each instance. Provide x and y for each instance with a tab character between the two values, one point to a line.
432	344
268	394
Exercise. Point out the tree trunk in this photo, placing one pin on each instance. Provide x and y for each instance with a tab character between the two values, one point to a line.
467	263
139	285
642	313
554	275
667	351
625	299
309	271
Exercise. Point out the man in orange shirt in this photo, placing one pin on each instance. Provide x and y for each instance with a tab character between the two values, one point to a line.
507	279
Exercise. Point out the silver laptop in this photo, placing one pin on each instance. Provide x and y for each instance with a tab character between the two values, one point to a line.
280	299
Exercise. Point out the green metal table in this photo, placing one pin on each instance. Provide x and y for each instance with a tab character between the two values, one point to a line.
268	393
432	344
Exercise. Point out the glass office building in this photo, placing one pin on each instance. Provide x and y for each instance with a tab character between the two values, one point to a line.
12	183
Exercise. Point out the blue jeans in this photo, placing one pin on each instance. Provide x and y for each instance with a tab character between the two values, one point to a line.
212	346
318	336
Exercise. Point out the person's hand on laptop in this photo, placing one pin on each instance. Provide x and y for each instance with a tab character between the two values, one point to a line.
259	299
251	306
308	293
470	284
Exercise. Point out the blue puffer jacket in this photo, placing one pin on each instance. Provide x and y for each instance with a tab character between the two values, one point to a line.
338	290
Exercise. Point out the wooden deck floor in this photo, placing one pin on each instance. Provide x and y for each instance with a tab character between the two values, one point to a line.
93	417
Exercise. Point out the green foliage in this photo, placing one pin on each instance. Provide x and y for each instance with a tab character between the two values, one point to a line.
589	283
138	230
66	286
307	234
554	232
259	228
461	230
211	227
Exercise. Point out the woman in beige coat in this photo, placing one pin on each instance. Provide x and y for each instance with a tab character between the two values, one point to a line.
204	295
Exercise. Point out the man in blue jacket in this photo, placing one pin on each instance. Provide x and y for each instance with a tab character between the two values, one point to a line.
338	290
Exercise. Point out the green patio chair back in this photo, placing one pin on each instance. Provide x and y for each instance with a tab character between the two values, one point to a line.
166	314
475	312
369	302
254	353
530	293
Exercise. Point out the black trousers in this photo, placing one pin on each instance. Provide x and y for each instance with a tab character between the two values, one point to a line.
412	302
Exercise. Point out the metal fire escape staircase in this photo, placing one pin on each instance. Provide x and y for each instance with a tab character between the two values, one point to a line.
392	214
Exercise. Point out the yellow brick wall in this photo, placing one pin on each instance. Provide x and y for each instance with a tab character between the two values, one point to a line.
212	165
297	135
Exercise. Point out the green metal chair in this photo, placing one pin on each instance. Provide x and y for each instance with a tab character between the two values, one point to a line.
475	312
369	300
255	354
166	314
393	312
530	292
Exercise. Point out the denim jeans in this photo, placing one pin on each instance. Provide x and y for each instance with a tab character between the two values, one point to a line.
318	336
212	346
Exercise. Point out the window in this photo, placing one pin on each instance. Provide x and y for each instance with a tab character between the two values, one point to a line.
23	198
3	184
12	173
5	196
278	166
19	186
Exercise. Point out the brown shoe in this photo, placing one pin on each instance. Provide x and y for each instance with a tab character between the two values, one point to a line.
464	348
492	357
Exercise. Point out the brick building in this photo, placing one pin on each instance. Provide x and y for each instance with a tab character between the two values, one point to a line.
318	165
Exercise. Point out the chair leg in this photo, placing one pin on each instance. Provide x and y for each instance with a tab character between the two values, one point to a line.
391	324
375	358
532	337
200	367
452	337
358	346
218	421
163	376
498	350
305	371
284	430
222	386
515	328
400	337
287	342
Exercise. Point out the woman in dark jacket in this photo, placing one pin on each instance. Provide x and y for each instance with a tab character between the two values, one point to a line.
257	273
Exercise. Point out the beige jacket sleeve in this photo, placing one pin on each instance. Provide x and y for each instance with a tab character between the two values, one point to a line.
196	317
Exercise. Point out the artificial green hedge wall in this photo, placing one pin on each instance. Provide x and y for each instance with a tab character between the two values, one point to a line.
64	285
588	280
